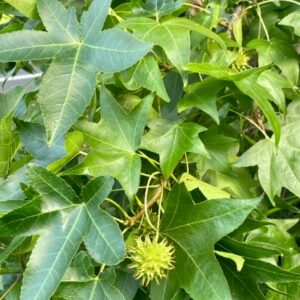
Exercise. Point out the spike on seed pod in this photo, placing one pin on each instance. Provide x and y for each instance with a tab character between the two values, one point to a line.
151	259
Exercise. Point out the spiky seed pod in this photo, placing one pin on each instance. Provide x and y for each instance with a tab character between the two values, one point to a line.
242	61
151	259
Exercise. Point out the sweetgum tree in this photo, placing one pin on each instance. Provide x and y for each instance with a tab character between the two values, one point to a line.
154	152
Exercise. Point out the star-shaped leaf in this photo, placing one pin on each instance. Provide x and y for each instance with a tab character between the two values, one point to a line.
63	223
79	51
171	141
277	166
194	229
114	142
172	35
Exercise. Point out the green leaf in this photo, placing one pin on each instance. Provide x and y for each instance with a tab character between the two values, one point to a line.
31	45
280	52
103	232
166	288
274	83
203	95
51	188
34	138
292	20
171	140
27	7
246	249
61	23
194	229
53	251
76	59
172	35
9	144
157	7
69	83
145	74
277	166
261	96
114	142
101	287
73	144
10	100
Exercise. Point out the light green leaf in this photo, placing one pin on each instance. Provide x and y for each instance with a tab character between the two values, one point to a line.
73	144
145	74
114	142
237	259
208	190
277	166
9	144
292	20
194	229
54	250
171	141
26	7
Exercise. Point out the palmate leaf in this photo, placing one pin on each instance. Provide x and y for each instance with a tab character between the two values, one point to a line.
171	140
194	229
172	35
63	224
277	166
114	142
79	51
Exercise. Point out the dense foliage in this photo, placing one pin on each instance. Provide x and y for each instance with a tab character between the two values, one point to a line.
158	154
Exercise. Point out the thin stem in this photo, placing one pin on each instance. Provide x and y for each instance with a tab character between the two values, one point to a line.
187	163
119	221
258	10
140	188
196	7
159	210
118	206
141	213
114	14
252	122
146	202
